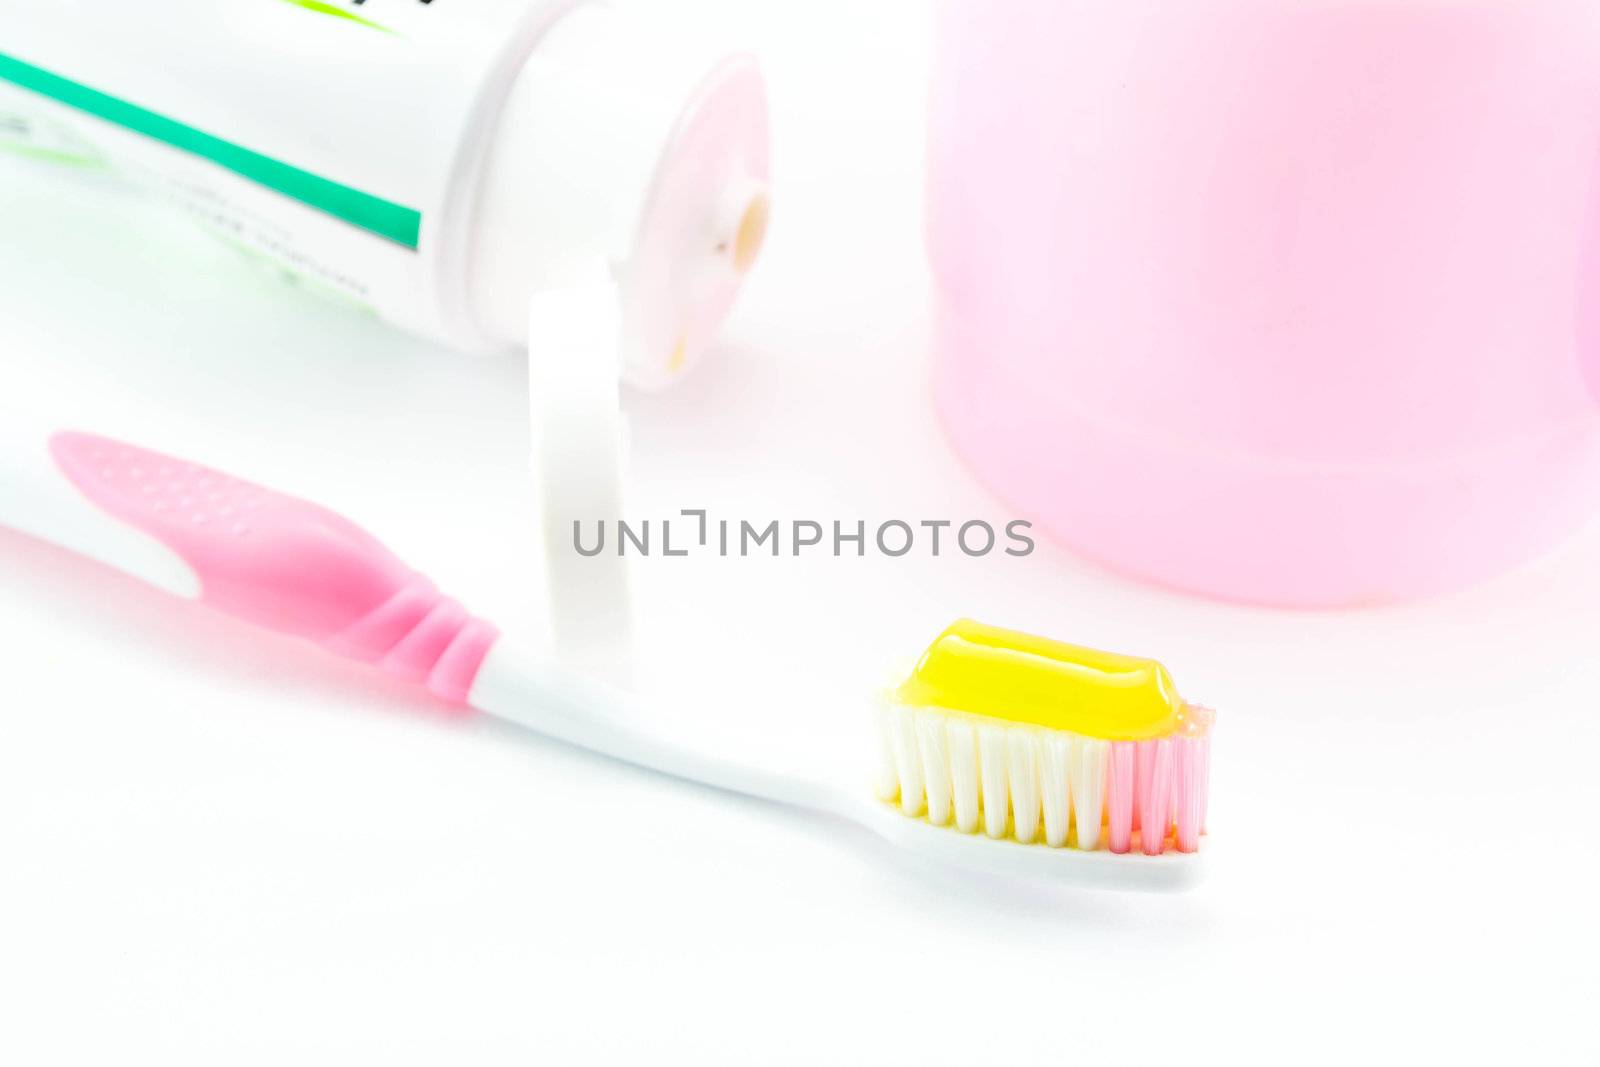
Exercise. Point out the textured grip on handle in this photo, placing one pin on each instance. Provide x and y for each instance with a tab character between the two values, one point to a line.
283	563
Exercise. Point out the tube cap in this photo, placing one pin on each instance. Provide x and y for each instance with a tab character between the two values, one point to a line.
620	143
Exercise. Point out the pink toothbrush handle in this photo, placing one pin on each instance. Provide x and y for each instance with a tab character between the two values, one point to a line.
283	563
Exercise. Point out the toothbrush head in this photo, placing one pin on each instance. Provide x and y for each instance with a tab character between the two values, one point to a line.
1047	746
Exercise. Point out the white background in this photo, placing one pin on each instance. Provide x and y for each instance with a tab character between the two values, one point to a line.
222	848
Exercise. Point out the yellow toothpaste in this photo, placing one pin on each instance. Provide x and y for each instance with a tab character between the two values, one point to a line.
1003	674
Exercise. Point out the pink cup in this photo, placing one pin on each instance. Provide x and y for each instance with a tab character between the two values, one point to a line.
1285	301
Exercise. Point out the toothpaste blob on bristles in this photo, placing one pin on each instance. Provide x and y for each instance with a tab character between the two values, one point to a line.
1046	743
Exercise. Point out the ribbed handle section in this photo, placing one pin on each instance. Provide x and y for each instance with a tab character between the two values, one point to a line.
420	636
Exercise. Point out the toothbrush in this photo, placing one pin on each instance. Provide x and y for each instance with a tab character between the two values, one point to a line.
992	729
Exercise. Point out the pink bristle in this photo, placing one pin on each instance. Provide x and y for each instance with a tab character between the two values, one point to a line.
1154	776
1144	764
1188	784
1120	790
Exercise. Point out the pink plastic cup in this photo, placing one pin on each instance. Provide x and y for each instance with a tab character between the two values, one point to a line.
1285	301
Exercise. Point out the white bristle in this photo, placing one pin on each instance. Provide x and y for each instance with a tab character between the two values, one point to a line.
1056	754
887	782
963	747
935	765
907	761
992	758
1023	770
1089	788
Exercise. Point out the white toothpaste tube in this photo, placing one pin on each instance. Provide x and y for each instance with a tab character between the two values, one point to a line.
440	161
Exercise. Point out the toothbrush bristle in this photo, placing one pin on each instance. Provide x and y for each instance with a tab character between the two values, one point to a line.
1044	786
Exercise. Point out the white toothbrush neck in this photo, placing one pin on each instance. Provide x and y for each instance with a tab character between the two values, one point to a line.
518	687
